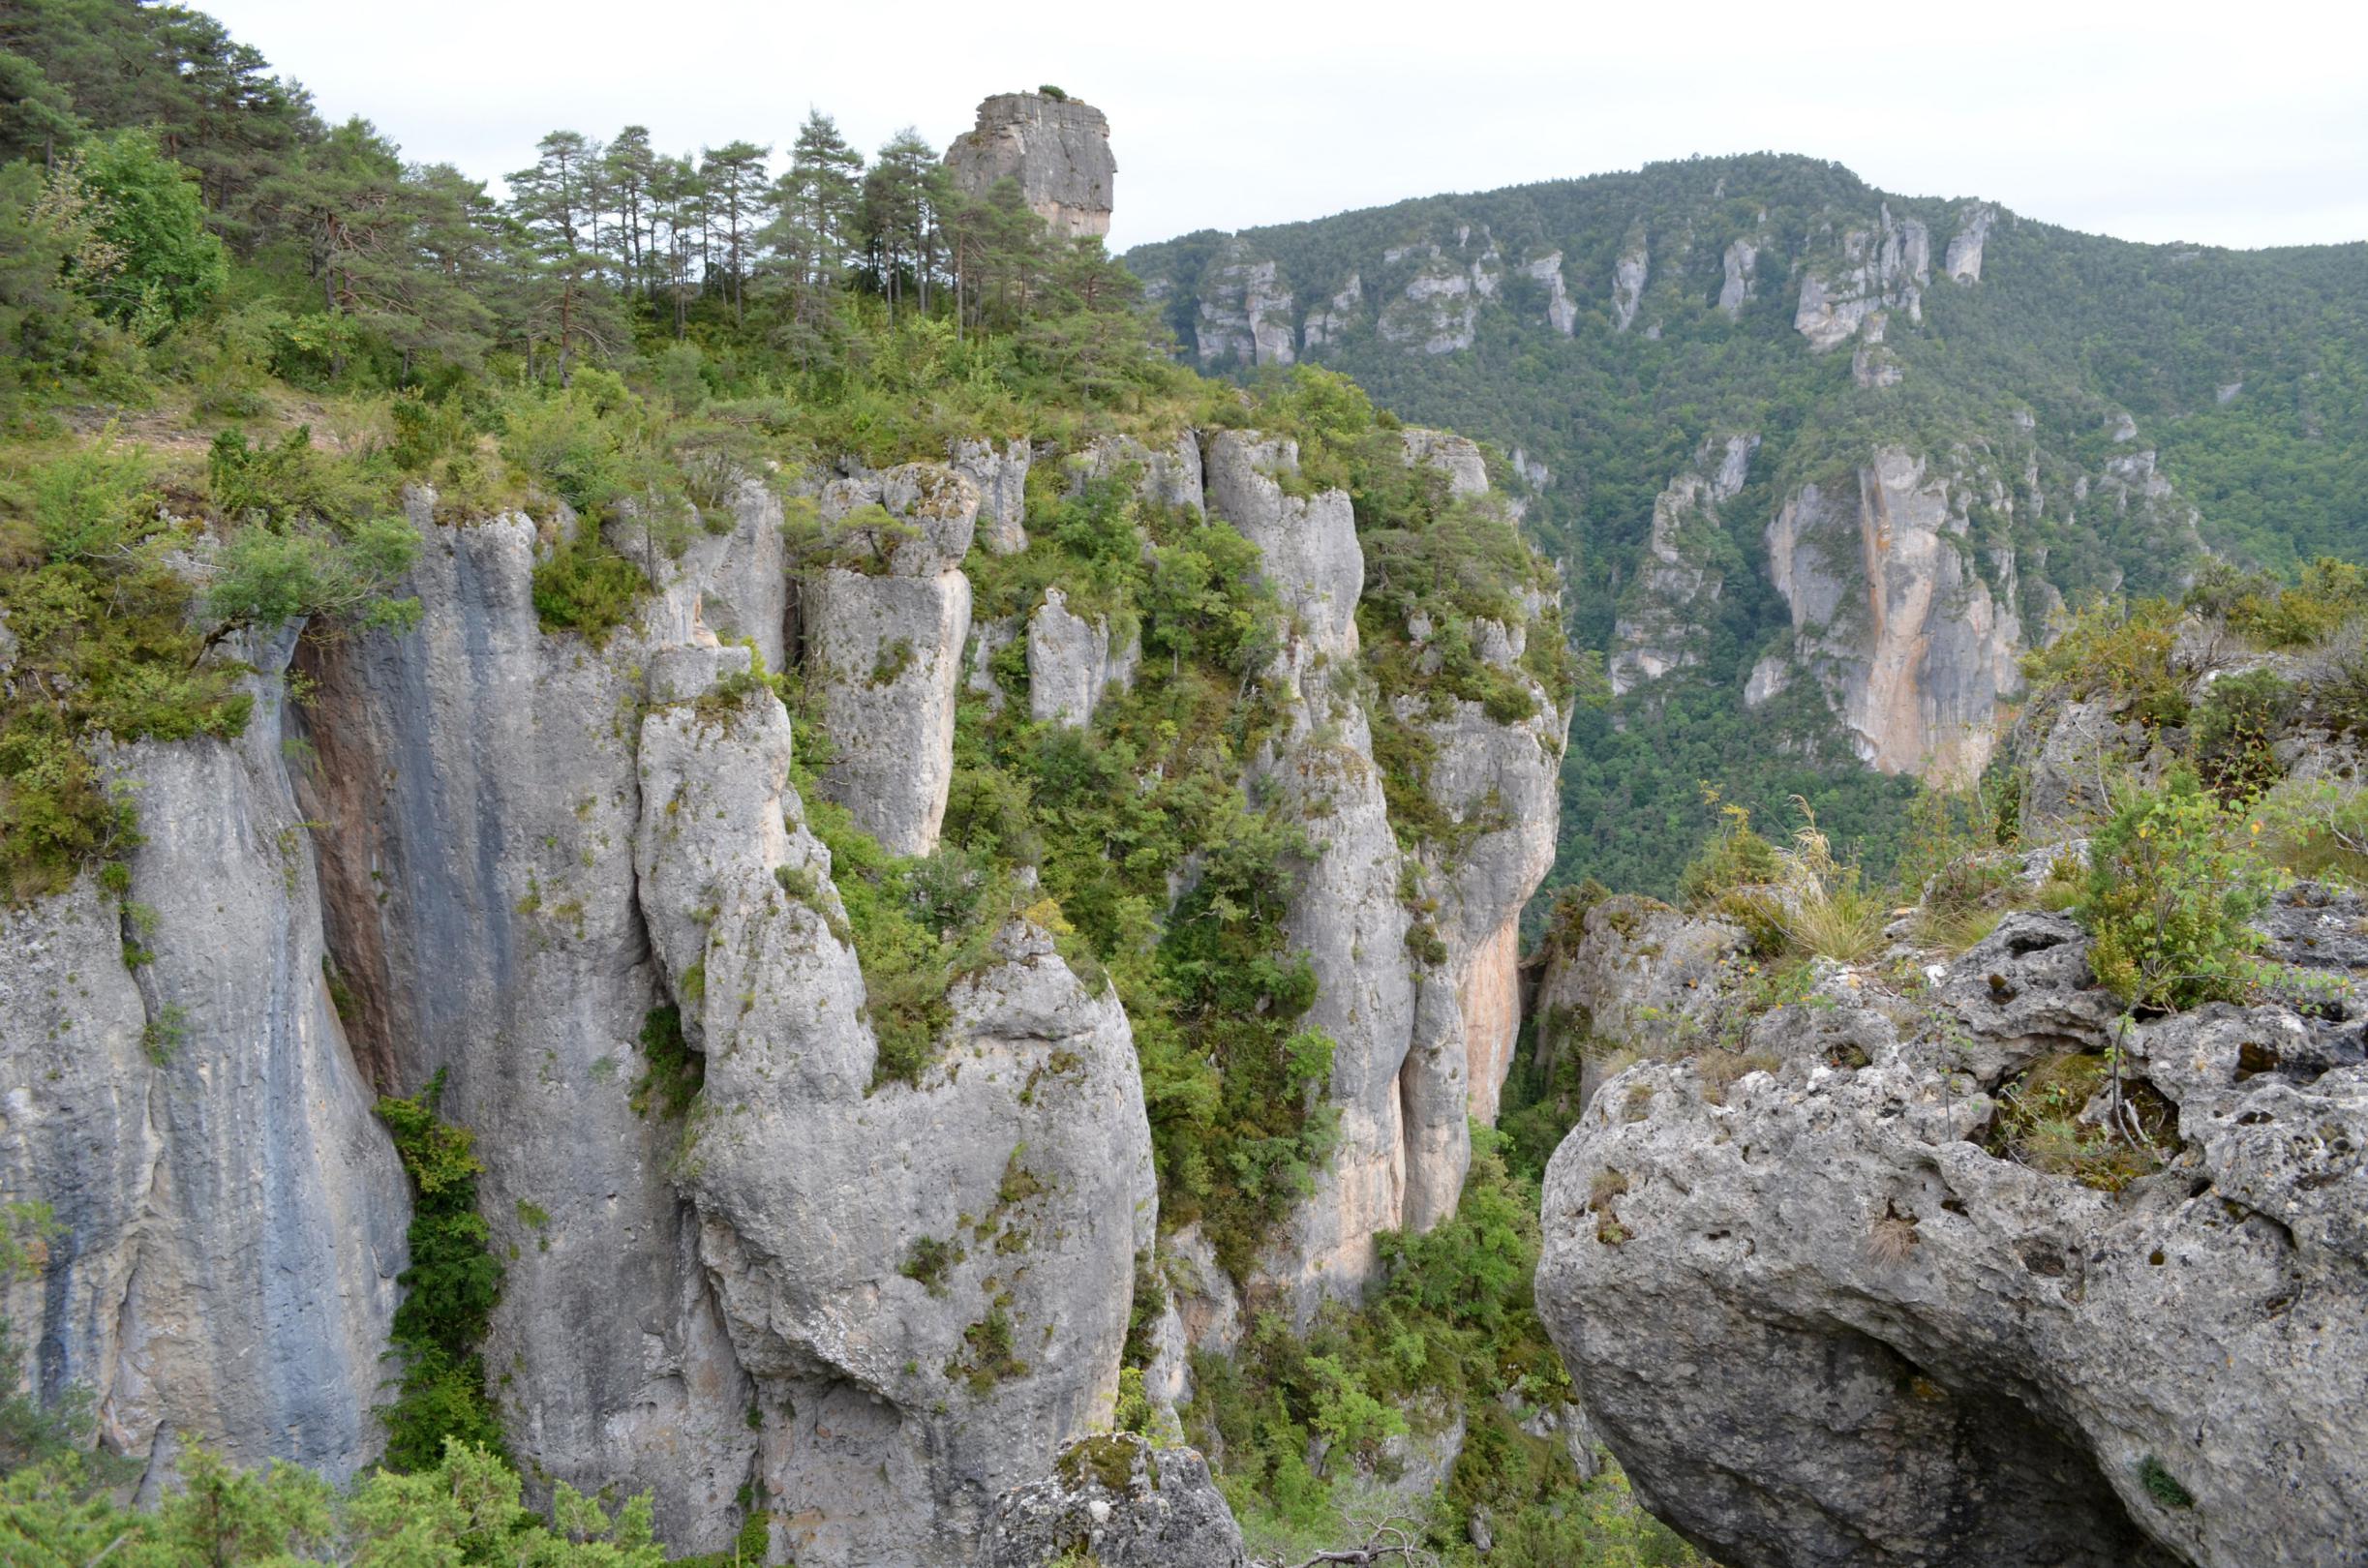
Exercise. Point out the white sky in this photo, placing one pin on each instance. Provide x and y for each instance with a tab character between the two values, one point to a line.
2153	120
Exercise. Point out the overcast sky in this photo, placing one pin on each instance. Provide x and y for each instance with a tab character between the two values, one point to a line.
2153	120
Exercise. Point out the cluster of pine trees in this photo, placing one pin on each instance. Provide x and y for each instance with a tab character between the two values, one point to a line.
146	149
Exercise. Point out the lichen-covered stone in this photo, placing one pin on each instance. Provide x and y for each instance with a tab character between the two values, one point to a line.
1819	1323
1119	1502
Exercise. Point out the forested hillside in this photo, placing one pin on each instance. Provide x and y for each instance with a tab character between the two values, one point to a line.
1603	332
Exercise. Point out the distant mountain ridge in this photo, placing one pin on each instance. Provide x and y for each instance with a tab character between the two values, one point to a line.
1952	421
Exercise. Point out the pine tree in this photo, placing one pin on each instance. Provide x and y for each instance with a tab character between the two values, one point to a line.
629	169
899	217
735	178
553	205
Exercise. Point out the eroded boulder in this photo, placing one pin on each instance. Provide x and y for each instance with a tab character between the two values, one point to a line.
1117	1502
1819	1322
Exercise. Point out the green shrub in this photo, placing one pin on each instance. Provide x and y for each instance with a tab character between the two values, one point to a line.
2119	652
106	645
2239	720
2329	594
450	1286
672	1072
1733	855
2318	830
584	586
2175	881
2161	1485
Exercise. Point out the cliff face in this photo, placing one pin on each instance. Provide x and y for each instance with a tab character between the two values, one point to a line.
743	1267
1057	149
179	1092
1419	1047
1893	613
1676	582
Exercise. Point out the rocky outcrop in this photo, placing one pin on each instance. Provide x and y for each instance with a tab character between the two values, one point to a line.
179	1092
1438	310
1002	481
1964	261
1057	149
1920	1351
1914	649
1329	322
1116	1502
1072	661
1562	310
1635	977
1659	629
1741	261
884	648
1168	476
1457	457
2078	748
1245	310
1886	267
927	1285
1629	275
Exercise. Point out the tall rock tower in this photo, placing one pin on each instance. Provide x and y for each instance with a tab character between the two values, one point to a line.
1057	149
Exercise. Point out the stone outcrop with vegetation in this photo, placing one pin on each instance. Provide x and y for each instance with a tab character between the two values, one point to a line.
2021	1229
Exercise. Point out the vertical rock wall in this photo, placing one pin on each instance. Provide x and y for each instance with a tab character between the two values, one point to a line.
231	1214
477	787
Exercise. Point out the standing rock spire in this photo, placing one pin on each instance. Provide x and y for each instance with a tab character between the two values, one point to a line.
1056	147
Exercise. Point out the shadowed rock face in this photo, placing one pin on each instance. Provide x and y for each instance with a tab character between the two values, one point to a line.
1057	149
1818	1322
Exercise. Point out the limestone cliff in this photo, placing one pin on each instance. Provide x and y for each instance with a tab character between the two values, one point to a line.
1661	613
1244	312
1887	266
1914	635
746	1267
179	1090
1419	1046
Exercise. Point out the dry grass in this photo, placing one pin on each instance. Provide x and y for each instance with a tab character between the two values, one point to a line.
1817	908
1891	1240
1722	1068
